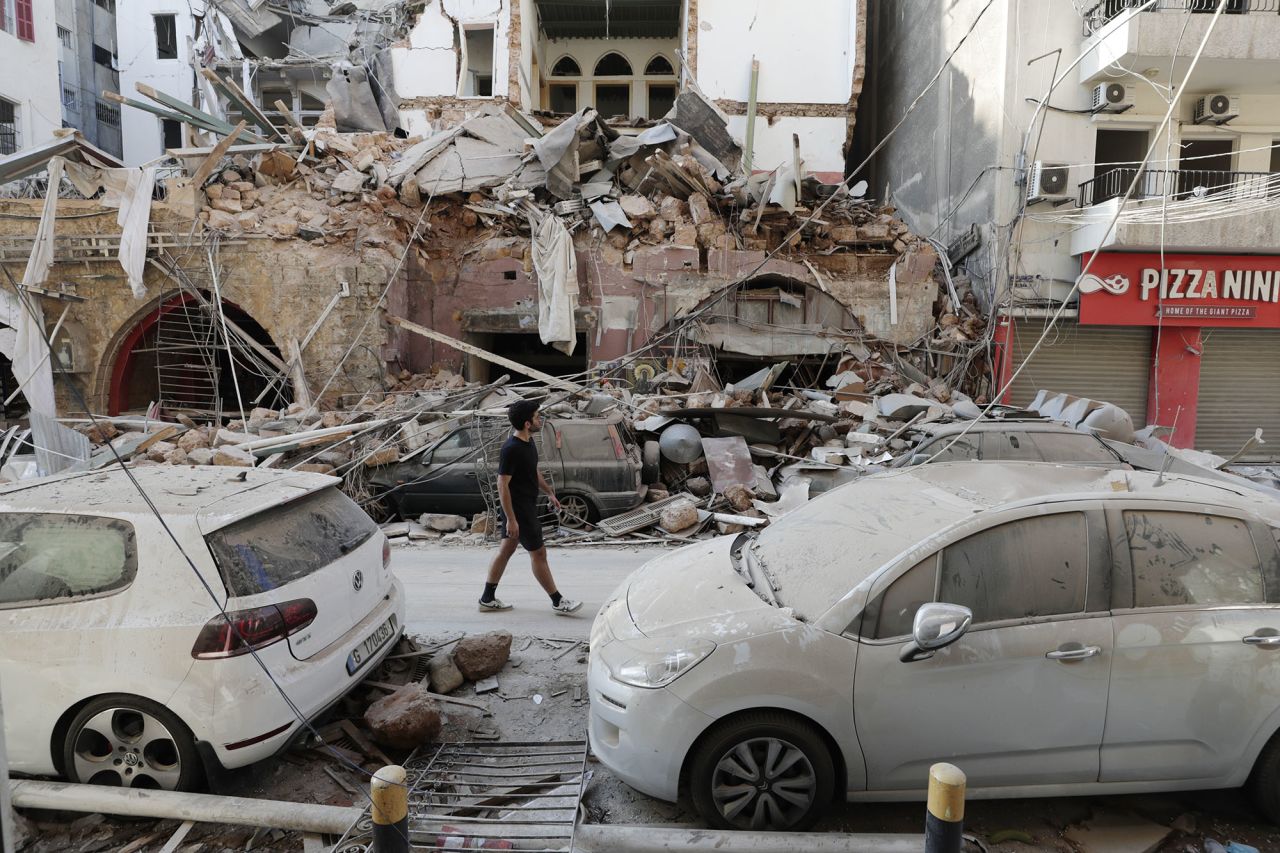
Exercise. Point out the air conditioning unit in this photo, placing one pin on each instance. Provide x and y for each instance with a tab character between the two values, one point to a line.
1216	109
1112	98
1047	182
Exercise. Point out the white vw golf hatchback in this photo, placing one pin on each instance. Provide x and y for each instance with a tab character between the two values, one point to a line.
1051	630
115	664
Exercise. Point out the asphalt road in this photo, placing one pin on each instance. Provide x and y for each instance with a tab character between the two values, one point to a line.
443	584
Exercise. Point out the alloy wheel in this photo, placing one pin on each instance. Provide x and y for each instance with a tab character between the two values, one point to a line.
764	783
575	511
127	748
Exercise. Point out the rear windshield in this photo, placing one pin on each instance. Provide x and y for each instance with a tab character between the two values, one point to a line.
282	544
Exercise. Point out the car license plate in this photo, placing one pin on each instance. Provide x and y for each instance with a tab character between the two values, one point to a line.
362	653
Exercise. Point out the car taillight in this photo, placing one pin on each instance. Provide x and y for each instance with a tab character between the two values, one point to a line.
254	629
386	552
618	450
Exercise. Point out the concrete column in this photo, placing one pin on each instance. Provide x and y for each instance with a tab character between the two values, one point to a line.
1175	382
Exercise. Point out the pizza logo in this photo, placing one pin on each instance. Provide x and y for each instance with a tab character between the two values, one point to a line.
1116	285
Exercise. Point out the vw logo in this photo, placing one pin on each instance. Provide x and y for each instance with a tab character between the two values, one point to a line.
132	759
357	580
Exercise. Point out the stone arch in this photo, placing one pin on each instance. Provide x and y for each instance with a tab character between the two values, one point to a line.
122	378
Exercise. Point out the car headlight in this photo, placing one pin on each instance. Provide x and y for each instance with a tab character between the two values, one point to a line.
654	663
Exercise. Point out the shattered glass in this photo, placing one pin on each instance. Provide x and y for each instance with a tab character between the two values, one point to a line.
288	542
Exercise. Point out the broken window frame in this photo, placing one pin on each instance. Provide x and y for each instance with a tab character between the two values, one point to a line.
596	72
465	73
571	87
555	67
659	57
166	42
1127	519
612	83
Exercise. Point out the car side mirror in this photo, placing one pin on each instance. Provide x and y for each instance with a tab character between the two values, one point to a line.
937	625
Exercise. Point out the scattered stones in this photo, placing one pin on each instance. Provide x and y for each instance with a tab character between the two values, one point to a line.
678	517
234	456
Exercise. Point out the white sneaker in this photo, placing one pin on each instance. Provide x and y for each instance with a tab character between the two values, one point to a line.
567	606
493	606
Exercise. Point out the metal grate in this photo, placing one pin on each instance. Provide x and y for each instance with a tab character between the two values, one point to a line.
186	364
638	519
467	796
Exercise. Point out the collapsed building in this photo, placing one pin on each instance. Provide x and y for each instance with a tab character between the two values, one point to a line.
279	265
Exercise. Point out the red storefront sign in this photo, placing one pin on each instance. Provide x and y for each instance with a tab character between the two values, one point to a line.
1123	289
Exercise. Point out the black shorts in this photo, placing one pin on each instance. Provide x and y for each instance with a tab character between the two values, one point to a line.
530	526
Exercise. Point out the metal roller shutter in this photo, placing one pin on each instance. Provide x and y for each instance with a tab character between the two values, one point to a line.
1108	363
1239	391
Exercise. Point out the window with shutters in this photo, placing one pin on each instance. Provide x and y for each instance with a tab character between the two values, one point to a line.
64	36
108	114
25	20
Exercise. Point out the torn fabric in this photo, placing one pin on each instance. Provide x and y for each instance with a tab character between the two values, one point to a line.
134	220
556	268
31	364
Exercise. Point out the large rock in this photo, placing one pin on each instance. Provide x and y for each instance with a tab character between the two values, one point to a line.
193	439
699	486
681	515
406	719
739	497
233	456
200	456
159	450
482	655
445	675
442	522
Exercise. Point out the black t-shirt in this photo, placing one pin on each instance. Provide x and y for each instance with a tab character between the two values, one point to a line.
519	459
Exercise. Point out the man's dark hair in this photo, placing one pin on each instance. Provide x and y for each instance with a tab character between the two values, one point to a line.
522	412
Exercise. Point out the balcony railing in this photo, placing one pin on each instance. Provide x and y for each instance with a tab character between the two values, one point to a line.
1108	10
1180	184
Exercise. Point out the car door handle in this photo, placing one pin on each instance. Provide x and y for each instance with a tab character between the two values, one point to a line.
1266	641
470	475
1076	653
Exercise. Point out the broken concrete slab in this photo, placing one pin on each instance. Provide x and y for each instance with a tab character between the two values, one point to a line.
442	522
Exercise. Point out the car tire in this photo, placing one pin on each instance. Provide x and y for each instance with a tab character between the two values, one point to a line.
577	511
733	756
130	742
1264	781
651	463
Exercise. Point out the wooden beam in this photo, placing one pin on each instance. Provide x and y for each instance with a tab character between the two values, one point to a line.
295	127
493	358
192	114
301	393
206	168
748	153
242	148
117	98
237	96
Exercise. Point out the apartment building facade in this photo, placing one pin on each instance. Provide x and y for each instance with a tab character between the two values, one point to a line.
87	66
1034	141
30	97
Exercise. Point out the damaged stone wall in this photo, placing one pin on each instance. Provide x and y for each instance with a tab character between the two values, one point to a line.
283	286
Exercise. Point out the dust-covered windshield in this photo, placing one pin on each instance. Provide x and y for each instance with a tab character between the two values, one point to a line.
818	553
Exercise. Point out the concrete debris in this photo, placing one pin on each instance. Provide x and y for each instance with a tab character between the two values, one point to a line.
483	655
445	675
406	719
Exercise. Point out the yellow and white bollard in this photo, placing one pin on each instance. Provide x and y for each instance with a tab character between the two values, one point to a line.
389	794
944	821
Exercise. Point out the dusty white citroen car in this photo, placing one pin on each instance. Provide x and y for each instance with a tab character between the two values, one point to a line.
1051	630
115	664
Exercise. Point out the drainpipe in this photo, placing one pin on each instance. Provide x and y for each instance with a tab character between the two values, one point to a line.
175	805
749	153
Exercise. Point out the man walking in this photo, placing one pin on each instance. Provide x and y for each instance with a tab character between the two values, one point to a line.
518	483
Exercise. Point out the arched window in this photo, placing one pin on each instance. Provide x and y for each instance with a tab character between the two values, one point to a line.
567	66
613	65
659	66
